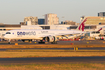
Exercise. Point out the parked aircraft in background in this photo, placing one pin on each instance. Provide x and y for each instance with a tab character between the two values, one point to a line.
42	35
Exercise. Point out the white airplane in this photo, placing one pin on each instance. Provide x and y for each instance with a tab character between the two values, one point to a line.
42	35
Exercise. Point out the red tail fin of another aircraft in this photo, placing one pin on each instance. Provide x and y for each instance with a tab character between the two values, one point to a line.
100	29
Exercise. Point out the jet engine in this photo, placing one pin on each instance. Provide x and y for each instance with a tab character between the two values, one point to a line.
51	39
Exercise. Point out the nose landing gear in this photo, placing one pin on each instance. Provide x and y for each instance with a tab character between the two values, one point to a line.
9	41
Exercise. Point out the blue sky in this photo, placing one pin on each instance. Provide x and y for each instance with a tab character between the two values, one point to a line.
14	11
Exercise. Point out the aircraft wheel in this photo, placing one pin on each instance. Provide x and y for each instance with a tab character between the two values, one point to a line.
23	40
9	42
41	42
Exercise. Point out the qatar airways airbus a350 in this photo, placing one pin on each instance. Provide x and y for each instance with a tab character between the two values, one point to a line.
48	35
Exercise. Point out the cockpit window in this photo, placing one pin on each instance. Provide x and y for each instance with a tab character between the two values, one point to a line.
8	33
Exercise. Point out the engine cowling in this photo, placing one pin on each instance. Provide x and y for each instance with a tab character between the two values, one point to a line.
51	39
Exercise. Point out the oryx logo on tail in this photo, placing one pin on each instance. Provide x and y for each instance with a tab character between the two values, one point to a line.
82	25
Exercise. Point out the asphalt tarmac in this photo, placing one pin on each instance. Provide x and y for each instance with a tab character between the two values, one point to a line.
52	60
97	42
95	48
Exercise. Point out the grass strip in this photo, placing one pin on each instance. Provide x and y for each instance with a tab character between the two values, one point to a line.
48	54
54	50
52	66
48	46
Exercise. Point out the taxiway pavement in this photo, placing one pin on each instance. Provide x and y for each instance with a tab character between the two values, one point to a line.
97	42
82	49
52	60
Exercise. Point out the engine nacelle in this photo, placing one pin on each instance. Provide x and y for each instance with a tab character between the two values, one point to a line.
51	39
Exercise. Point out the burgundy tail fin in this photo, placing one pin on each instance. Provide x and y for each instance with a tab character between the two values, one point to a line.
82	25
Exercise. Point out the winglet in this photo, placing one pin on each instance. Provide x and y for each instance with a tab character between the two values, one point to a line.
82	25
100	29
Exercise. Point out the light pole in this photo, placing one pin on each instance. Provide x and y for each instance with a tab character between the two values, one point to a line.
63	19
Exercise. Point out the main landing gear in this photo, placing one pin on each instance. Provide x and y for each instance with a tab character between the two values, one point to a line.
41	42
27	40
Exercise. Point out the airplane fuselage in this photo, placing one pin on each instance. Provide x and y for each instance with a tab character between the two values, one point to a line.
37	34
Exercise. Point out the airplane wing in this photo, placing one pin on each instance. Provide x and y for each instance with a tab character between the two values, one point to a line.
59	35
